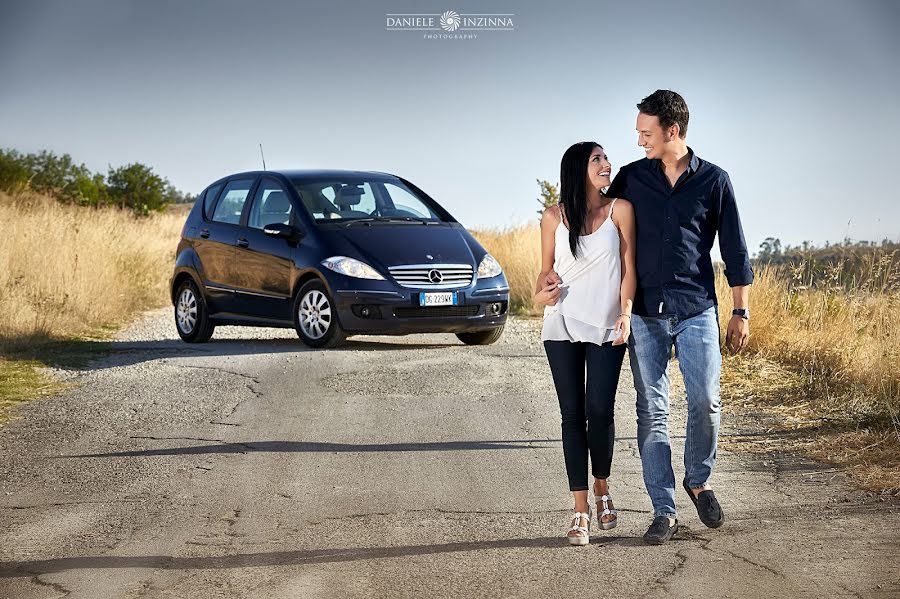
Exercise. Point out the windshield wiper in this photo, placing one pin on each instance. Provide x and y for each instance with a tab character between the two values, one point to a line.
389	219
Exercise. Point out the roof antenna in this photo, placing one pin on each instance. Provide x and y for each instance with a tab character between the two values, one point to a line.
263	156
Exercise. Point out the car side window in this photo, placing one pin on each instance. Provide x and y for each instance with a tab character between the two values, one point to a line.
209	199
271	205
231	204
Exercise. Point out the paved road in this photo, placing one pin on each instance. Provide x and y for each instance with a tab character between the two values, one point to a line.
407	467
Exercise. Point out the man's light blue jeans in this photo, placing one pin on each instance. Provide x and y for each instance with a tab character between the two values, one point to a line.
696	341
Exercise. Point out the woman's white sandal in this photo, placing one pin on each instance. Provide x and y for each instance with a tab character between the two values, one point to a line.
604	500
583	536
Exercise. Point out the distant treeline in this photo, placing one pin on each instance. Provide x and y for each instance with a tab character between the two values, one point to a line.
849	265
134	186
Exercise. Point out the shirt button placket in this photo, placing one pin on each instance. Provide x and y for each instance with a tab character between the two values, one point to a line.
667	249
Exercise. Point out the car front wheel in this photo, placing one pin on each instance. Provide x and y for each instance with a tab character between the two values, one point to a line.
480	337
315	317
191	314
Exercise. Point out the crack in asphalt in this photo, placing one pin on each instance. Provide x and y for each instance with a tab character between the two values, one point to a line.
703	544
688	535
36	579
253	379
856	594
662	581
753	563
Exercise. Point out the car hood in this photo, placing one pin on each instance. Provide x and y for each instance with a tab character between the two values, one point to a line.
390	245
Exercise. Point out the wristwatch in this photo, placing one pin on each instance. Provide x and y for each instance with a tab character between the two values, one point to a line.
742	312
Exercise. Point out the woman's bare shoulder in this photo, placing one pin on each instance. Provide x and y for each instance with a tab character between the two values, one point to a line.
623	208
551	215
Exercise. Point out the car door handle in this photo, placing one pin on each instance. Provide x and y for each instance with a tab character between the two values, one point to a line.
204	233
243	242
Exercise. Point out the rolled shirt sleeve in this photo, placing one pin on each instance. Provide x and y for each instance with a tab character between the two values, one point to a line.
732	244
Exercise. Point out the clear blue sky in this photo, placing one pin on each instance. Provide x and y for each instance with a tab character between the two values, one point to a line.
798	100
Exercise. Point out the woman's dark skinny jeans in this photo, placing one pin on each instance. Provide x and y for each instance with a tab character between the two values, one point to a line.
588	402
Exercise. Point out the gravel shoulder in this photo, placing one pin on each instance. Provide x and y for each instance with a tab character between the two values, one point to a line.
393	467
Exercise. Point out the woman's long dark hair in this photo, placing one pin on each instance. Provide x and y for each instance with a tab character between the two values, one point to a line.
572	190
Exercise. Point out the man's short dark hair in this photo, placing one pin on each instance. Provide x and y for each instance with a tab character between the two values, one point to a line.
669	107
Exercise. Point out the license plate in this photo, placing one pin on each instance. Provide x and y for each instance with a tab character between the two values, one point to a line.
438	299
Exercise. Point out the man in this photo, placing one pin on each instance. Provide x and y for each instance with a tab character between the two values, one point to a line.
680	203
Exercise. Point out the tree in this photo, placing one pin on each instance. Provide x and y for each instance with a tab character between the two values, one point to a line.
769	250
52	174
14	171
134	186
90	190
137	187
175	196
549	195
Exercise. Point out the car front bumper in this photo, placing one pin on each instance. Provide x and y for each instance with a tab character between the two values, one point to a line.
385	308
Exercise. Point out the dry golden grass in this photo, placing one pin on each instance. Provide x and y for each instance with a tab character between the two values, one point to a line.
823	362
518	250
68	270
844	346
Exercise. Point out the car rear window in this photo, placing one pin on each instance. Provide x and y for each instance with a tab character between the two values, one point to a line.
231	204
209	199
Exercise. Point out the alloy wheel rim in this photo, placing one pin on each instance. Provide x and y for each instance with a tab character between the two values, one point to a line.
186	313
315	314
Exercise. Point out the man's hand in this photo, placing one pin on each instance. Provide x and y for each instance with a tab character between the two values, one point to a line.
738	334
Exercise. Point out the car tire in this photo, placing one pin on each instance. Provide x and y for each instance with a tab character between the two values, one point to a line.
191	314
480	337
315	317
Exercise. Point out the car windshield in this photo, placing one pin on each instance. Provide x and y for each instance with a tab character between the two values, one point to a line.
373	199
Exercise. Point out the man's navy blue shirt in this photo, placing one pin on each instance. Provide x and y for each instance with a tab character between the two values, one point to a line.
675	229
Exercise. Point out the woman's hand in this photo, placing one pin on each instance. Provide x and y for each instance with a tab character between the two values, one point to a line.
550	278
623	329
548	295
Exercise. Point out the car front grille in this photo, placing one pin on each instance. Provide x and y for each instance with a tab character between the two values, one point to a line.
433	276
435	311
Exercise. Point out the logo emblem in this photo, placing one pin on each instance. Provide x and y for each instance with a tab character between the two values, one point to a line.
435	276
450	21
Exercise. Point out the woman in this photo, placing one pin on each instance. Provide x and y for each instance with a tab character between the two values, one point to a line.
588	241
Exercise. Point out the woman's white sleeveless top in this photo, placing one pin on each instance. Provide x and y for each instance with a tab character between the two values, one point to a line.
589	302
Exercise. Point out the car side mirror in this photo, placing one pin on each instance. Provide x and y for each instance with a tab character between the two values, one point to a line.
280	230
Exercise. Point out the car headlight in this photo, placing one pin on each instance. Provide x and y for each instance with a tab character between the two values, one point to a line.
489	267
351	267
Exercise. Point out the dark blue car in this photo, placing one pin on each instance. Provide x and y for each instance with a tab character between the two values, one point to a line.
332	253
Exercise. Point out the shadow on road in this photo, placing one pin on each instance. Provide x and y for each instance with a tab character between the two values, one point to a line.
304	447
91	354
289	558
224	447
